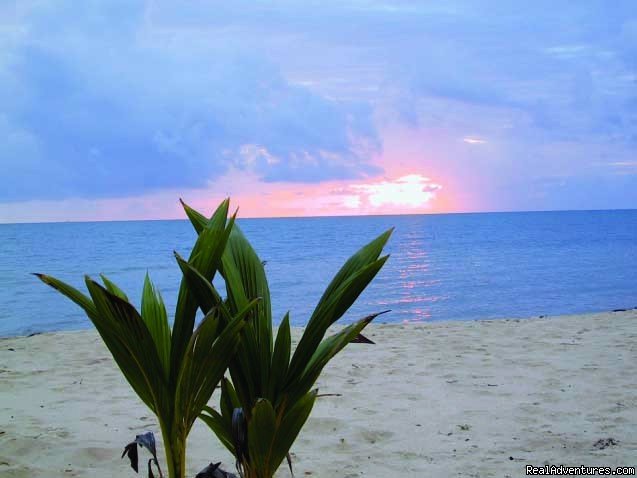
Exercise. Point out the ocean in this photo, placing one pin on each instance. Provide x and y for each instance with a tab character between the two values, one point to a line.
442	267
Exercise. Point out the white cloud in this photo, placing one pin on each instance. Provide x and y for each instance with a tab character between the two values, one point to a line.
470	140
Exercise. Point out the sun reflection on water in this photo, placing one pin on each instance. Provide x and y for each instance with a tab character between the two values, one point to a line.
418	283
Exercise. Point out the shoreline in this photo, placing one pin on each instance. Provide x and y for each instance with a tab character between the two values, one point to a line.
90	326
447	398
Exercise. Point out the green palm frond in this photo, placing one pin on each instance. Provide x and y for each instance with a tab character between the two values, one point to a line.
127	329
269	395
154	316
173	372
206	257
270	385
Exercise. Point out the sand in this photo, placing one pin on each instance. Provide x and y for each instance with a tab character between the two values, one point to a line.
476	399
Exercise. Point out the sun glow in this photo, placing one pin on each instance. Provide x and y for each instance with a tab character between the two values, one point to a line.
406	191
411	191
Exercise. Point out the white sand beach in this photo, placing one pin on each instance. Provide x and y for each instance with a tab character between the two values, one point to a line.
474	399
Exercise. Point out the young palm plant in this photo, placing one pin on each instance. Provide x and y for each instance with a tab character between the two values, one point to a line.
269	398
174	373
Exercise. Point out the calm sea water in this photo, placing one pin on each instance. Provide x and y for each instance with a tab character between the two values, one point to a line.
442	267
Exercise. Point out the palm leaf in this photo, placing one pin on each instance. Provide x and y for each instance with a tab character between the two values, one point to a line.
202	289
174	373
289	429
280	358
198	220
112	288
128	333
205	256
217	424
269	391
156	319
261	431
245	279
71	292
325	352
110	337
201	368
344	289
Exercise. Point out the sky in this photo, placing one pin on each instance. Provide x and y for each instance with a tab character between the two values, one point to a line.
113	110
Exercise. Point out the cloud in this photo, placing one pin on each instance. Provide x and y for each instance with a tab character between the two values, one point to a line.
97	101
470	140
570	80
624	167
125	98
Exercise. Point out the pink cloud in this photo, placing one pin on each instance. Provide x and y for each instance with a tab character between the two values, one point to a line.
415	179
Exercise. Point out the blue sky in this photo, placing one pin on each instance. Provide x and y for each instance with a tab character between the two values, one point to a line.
114	109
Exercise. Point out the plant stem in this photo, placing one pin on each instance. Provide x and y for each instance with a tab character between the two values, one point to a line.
175	449
256	473
177	462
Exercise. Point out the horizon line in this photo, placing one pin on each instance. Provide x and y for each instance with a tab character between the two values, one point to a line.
330	216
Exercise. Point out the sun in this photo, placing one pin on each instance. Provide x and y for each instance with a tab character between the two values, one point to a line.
410	191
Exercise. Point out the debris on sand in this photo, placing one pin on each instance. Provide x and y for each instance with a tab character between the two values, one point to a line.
605	443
